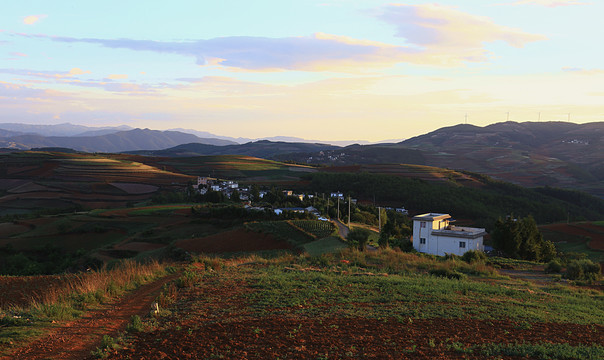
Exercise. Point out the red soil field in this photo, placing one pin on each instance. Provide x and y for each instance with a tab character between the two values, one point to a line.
596	233
139	246
233	241
223	325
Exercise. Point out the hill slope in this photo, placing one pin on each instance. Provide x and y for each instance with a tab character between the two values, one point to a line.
531	154
136	139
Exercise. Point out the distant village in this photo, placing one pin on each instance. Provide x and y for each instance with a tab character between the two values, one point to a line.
432	233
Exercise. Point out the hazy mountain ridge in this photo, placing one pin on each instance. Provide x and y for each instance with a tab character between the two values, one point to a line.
121	141
262	149
65	129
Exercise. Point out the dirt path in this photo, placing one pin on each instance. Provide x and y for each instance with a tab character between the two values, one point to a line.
342	229
76	339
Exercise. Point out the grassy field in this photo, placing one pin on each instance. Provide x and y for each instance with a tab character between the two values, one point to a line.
383	304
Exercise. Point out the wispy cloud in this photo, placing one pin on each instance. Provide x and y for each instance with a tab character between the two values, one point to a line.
449	35
46	74
32	19
10	91
581	71
547	3
310	53
117	76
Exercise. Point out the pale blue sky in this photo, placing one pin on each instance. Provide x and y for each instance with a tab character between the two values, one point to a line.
360	69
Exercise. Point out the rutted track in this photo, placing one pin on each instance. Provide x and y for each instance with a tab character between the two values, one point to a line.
76	339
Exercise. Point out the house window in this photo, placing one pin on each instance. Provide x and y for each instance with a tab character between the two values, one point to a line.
422	241
462	244
422	224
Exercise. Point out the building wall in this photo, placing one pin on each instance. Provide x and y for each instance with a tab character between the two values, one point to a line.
441	245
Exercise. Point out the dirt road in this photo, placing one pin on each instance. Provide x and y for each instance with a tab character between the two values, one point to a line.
76	339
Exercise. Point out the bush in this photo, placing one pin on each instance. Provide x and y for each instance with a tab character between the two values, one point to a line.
473	256
449	274
358	237
553	266
582	270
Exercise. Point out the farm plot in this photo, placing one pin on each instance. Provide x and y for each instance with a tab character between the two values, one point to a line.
577	237
288	308
239	240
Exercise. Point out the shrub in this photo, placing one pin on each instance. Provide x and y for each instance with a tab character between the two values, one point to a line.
553	266
473	256
449	274
404	244
135	325
582	269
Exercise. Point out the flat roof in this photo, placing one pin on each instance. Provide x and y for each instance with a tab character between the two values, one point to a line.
460	232
432	217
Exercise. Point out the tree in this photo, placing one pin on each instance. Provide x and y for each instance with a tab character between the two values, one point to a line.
255	192
235	196
359	237
521	239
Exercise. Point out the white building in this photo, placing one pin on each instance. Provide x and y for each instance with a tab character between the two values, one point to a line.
433	234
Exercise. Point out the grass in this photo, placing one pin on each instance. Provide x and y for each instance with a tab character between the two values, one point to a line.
568	243
330	244
281	230
348	283
73	298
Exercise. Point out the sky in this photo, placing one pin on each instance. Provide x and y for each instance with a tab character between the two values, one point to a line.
326	70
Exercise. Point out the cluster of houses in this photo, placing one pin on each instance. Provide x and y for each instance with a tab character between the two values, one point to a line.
433	233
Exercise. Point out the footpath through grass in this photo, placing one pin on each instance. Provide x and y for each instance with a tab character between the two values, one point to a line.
55	305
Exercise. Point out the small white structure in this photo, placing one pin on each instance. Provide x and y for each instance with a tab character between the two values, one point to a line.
433	234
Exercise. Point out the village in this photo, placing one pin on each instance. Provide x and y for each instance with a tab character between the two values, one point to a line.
433	233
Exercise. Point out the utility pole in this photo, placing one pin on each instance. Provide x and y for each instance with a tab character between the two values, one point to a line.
349	211
508	116
338	208
539	116
380	219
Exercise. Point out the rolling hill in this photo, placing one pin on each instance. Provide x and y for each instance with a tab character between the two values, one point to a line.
531	154
136	139
262	149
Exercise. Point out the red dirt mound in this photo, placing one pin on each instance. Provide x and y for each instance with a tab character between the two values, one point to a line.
233	241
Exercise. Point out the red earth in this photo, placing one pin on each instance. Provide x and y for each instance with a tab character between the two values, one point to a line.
595	232
76	339
233	241
215	320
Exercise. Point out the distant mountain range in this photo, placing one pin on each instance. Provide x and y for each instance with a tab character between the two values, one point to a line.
558	154
121	141
8	130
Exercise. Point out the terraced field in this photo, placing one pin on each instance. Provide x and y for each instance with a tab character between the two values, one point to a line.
40	180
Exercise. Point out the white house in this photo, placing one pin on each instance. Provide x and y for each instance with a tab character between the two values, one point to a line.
434	234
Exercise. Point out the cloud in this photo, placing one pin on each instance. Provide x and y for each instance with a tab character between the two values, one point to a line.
547	3
581	71
117	76
310	53
32	19
448	35
15	91
46	74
